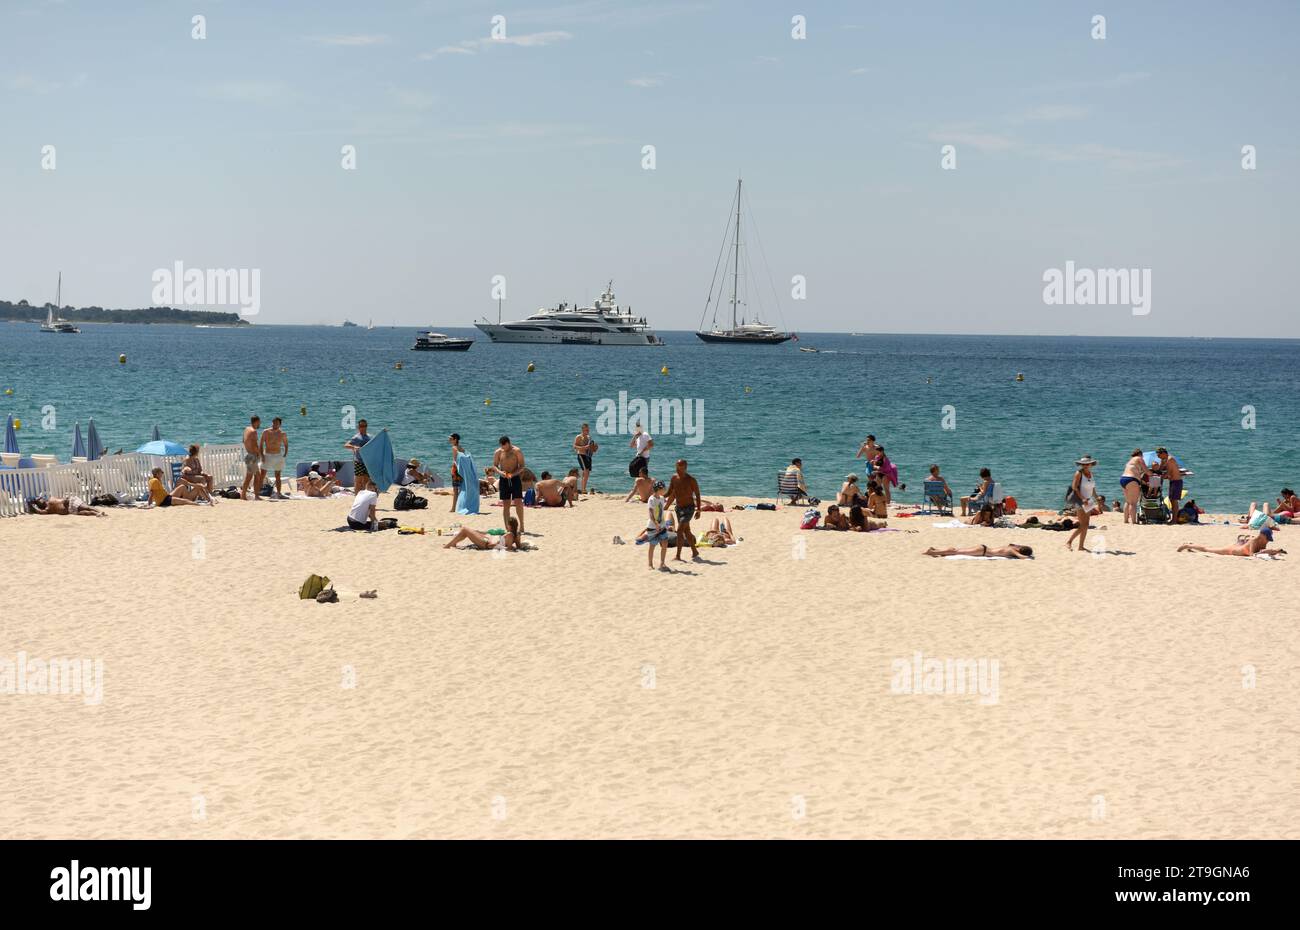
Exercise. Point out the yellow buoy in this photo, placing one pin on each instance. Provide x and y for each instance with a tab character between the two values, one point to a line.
283	370
487	402
343	380
532	367
664	370
398	366
1020	377
18	424
121	359
9	390
748	389
303	410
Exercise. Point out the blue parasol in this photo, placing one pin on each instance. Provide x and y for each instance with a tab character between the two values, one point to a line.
78	444
11	438
377	456
1152	460
93	448
162	447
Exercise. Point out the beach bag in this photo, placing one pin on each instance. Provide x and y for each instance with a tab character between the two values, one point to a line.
1072	500
313	586
765	506
103	500
810	518
407	499
230	493
388	523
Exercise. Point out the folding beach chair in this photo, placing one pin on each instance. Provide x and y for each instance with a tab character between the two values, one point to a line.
787	488
934	499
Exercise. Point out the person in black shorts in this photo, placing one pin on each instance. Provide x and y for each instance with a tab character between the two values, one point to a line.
509	463
584	447
684	493
456	481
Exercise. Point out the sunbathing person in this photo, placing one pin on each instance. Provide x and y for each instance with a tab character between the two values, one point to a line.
158	496
850	494
553	492
1288	505
316	485
642	488
414	474
835	519
64	506
720	534
877	501
509	542
859	523
192	471
1245	547
1002	552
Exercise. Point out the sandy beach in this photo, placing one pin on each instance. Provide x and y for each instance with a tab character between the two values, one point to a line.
570	692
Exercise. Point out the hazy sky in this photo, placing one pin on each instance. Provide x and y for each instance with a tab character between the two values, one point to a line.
523	157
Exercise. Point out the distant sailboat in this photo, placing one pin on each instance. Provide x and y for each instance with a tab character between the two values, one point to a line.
740	332
53	324
371	325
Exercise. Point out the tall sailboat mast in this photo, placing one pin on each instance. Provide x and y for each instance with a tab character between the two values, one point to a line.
735	275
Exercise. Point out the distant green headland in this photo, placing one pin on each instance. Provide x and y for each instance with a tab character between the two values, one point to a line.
23	311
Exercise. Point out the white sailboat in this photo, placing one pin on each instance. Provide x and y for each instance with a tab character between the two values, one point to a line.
52	324
741	332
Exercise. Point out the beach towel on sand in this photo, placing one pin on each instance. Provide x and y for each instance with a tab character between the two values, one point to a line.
467	499
953	524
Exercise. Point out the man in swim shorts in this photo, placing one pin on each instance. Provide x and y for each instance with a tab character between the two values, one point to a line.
584	447
1174	475
684	492
275	446
252	460
354	446
508	460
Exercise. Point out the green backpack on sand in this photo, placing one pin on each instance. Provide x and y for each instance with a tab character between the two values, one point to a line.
314	585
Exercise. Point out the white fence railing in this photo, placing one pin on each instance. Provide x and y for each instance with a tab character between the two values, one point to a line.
127	474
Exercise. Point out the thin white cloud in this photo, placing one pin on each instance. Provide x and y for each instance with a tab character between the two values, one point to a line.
645	82
1051	113
980	141
31	84
859	71
350	40
472	46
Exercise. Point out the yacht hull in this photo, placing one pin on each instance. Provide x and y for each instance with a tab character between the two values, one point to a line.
745	339
504	332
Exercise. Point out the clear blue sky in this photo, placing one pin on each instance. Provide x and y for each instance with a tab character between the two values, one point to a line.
523	158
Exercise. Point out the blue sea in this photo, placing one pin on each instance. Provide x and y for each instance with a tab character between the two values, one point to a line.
761	405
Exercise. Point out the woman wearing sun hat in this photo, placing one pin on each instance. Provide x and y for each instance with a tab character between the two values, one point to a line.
1082	491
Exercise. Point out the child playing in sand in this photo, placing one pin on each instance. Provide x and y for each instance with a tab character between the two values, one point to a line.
659	527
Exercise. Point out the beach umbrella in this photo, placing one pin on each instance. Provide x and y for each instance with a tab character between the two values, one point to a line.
11	438
156	435
78	444
162	447
377	456
93	447
1152	460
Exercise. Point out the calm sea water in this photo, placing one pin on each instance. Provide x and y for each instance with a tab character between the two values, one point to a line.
762	405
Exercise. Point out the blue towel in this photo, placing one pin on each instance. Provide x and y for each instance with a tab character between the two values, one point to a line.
377	455
467	500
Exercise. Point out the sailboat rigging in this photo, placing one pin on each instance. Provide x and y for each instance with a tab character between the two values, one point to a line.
52	323
741	331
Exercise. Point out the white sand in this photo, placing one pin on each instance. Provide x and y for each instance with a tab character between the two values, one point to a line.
509	696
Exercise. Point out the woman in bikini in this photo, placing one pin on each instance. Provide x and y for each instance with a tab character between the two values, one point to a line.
1131	484
509	542
720	534
1002	552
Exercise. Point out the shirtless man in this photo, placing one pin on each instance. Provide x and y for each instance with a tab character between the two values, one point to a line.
684	492
508	461
584	447
642	488
868	451
65	506
1174	475
555	492
1256	546
275	446
252	461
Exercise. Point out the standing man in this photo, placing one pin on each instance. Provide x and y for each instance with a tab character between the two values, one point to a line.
1174	475
456	479
275	446
868	450
642	442
684	492
252	461
354	446
585	447
509	463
